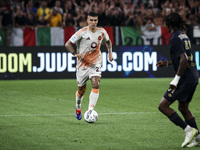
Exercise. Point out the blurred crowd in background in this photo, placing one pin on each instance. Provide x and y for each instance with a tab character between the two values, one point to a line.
73	13
62	13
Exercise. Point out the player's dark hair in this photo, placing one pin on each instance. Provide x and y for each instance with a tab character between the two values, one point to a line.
174	21
93	14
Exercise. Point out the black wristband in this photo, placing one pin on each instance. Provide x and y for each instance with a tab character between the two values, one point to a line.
73	53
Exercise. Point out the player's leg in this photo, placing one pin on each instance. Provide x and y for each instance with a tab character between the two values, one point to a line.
79	97
184	104
164	107
94	95
191	130
190	120
82	77
187	114
176	119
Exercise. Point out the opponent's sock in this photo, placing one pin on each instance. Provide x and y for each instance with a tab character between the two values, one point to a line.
176	119
78	100
192	123
94	95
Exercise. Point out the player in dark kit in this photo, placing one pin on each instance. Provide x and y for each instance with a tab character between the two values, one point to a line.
183	86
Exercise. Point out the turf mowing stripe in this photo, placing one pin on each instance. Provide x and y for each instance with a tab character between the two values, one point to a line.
122	113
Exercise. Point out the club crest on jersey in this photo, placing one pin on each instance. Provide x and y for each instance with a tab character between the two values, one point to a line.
93	45
170	95
99	38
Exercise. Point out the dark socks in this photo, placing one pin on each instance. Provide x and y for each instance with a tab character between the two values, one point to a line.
192	123
176	119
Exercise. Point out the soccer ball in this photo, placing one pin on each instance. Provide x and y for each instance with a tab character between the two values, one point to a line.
90	116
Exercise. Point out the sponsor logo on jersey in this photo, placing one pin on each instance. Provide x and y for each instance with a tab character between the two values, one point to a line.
73	38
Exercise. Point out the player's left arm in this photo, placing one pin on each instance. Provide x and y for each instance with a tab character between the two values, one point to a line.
109	48
182	65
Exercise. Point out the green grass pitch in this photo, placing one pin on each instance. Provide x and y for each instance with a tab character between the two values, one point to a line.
39	115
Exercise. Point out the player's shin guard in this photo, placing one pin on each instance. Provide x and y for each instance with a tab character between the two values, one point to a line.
78	100
94	95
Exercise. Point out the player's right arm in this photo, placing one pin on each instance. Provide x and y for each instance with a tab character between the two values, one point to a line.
74	38
162	63
69	47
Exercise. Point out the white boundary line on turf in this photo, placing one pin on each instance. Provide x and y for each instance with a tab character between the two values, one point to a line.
122	113
32	115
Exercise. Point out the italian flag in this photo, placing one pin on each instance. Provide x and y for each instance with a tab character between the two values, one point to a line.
47	36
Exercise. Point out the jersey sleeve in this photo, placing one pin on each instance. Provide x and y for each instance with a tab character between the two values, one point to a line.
75	37
178	46
106	36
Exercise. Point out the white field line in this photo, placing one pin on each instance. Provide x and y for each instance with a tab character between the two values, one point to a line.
122	113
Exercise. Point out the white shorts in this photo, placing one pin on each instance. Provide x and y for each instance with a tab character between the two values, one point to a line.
83	75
